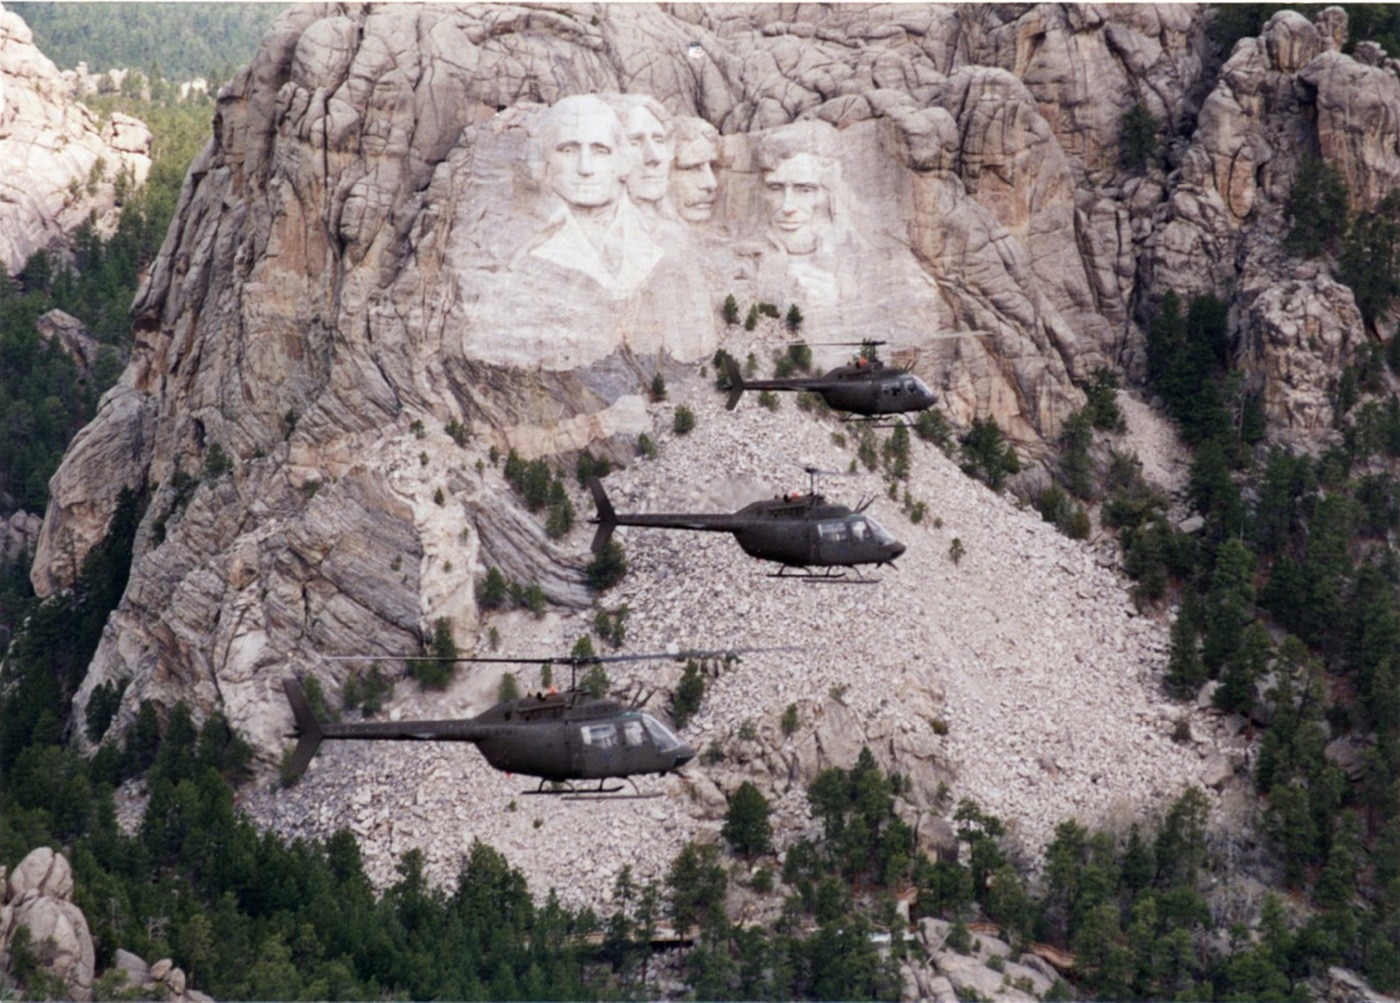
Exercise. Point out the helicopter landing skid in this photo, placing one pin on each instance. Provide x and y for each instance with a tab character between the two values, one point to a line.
829	577
872	422
568	792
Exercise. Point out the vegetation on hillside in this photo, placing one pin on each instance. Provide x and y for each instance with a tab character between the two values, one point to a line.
1288	604
180	41
43	399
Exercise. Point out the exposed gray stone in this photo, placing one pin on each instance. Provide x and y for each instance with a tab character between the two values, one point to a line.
61	160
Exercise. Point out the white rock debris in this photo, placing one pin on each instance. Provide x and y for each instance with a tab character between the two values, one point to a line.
1029	650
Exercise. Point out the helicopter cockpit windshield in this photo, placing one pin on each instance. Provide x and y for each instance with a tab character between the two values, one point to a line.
863	527
663	736
915	385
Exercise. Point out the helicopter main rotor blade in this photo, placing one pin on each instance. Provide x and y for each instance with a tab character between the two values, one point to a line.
565	659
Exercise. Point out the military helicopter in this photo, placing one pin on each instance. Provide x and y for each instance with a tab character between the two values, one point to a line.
559	737
799	531
866	388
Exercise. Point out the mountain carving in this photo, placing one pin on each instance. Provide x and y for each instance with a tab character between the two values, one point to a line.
510	219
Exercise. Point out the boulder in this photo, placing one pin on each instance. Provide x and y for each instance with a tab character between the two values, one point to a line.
37	897
41	873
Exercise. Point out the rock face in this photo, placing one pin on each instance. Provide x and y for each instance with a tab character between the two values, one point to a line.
416	219
378	240
61	162
38	897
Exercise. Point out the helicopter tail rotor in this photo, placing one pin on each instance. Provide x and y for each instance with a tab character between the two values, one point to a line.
308	732
606	518
736	383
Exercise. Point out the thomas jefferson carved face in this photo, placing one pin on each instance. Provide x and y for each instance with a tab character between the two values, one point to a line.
693	180
799	202
652	152
585	159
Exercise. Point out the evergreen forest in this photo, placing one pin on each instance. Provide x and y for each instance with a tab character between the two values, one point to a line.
1289	615
173	41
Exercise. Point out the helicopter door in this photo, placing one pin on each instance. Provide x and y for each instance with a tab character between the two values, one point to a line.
833	541
598	749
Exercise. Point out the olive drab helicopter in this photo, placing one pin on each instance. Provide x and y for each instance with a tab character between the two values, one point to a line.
801	532
866	388
561	738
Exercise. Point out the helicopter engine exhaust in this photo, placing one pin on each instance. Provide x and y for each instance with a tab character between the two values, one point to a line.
308	728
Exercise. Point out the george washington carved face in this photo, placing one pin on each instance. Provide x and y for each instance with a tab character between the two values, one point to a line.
584	151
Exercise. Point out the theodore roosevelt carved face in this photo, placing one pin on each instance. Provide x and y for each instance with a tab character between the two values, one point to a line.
694	175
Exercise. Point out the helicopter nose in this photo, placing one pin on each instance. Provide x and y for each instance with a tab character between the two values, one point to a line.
896	549
684	755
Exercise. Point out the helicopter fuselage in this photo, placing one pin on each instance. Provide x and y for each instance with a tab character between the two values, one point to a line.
798	530
553	736
866	388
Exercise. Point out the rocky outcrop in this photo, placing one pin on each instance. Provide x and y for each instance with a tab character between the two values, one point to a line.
1288	94
162	980
62	162
38	897
375	241
72	336
419	238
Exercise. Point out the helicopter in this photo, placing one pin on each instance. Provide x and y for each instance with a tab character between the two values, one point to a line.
866	388
561	738
799	531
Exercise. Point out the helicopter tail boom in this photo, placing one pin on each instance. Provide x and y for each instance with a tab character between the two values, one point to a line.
308	728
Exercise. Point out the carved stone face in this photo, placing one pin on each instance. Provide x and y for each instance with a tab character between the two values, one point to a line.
652	152
693	181
584	161
799	202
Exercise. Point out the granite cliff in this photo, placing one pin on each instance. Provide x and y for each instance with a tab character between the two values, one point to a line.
377	246
62	163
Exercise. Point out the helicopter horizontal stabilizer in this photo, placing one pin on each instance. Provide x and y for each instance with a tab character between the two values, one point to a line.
308	728
736	383
606	518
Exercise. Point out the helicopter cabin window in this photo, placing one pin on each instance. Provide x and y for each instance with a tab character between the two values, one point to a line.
859	530
833	531
600	736
633	733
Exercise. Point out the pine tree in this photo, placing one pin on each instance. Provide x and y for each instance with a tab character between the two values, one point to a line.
746	826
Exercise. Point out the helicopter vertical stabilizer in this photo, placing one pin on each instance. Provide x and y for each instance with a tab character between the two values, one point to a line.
308	728
736	383
607	515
